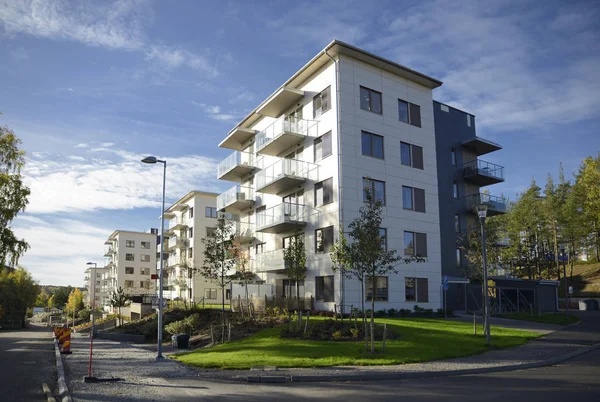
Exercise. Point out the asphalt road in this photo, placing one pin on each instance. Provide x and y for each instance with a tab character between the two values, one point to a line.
26	361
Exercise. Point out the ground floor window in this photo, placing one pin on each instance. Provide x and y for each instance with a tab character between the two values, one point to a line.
380	289
416	289
210	294
289	288
227	294
324	288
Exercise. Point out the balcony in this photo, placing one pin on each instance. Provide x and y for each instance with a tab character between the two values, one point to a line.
269	261
236	166
177	242
483	173
495	205
244	232
175	261
237	138
236	199
481	146
281	218
176	224
283	134
280	101
283	175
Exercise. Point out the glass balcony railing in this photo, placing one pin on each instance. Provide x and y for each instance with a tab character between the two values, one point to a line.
238	197
495	205
236	165
281	218
284	174
283	133
482	172
177	242
269	261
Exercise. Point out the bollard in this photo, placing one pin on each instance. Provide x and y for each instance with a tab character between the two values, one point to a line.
474	325
66	345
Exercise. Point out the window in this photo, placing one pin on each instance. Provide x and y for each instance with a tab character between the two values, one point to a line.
129	257
191	212
210	231
210	293
130	243
415	244
458	258
128	284
322	146
145	245
381	288
322	102
411	155
211	212
289	287
469	120
409	113
383	235
287	241
190	253
98	275
416	290
129	270
145	258
370	100
323	239
457	223
378	188
258	248
453	156
190	233
144	271
413	199
372	145
455	189
324	288
324	192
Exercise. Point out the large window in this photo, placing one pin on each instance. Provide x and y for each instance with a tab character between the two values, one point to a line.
145	245
415	244
130	243
144	271
413	199
287	241
145	258
372	145
324	192
211	212
383	235
378	187
191	212
324	288
210	294
323	239
370	100
128	284
322	146
416	290
191	232
380	289
129	257
322	102
289	288
129	270
210	231
190	252
409	113
411	155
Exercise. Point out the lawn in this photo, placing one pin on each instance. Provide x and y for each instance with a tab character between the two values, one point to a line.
551	318
419	340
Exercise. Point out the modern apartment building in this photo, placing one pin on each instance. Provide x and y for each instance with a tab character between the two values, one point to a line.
131	263
99	293
302	158
461	176
189	220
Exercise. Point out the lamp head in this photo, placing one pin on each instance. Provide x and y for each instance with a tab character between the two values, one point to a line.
482	211
149	159
562	247
90	263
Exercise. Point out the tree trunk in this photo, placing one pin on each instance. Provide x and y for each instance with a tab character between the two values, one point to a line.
362	304
373	315
556	252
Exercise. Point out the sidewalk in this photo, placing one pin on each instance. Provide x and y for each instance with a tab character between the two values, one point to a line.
146	379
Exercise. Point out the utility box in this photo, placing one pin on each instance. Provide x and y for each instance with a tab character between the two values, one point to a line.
588	305
181	341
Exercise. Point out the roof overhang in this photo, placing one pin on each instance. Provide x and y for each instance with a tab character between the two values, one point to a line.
481	146
280	101
237	137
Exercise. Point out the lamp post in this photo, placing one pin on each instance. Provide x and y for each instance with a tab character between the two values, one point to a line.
562	251
93	285
482	213
153	160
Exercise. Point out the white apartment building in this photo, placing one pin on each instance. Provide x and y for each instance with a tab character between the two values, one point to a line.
301	160
131	262
189	220
99	293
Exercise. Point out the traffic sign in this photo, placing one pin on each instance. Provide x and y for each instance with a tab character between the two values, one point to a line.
445	282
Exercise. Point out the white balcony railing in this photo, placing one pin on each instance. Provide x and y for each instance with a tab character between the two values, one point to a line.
237	197
283	174
283	133
236	164
281	218
269	261
177	242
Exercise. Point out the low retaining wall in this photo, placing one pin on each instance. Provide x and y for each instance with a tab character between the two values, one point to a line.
121	337
99	327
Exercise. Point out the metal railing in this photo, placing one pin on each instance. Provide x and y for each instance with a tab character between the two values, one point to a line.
497	204
281	168
236	158
236	193
284	212
484	168
269	261
286	124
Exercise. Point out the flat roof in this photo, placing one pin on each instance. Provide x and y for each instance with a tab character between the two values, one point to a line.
191	195
116	232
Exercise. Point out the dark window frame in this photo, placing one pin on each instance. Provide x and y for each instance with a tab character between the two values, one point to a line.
457	223
419	247
370	106
323	186
322	110
377	295
453	157
455	190
326	244
320	140
208	212
130	243
415	154
385	237
321	293
372	136
365	182
413	112
414	201
132	269
129	259
420	296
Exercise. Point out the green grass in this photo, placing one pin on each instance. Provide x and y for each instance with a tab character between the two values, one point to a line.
419	340
552	318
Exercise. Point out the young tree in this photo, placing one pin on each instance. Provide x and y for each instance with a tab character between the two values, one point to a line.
218	261
189	271
118	300
75	301
242	264
42	298
294	258
588	187
18	292
13	197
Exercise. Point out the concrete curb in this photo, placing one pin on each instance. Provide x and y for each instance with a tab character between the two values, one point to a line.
418	374
63	390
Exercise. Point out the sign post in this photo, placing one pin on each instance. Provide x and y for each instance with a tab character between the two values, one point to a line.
445	287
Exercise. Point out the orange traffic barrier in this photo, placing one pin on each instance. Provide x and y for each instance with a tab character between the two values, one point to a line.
58	332
65	337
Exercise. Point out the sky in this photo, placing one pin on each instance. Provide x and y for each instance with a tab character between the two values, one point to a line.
91	87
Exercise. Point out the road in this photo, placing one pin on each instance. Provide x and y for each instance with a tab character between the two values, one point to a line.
26	361
574	380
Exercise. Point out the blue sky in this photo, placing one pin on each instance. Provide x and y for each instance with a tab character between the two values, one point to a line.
93	86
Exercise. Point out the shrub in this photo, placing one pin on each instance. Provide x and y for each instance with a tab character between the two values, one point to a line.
418	309
194	322
404	312
330	330
381	313
392	312
355	332
178	327
337	335
428	312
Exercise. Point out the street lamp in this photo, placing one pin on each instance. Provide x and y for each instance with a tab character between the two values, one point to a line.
153	160
93	286
562	251
482	213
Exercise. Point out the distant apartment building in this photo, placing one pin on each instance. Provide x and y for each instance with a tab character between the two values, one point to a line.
303	157
94	283
187	222
131	263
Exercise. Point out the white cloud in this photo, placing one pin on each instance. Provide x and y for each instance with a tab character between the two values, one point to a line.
111	179
214	112
82	145
76	158
107	144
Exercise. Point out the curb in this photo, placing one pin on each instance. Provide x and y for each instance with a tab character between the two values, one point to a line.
63	390
418	374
